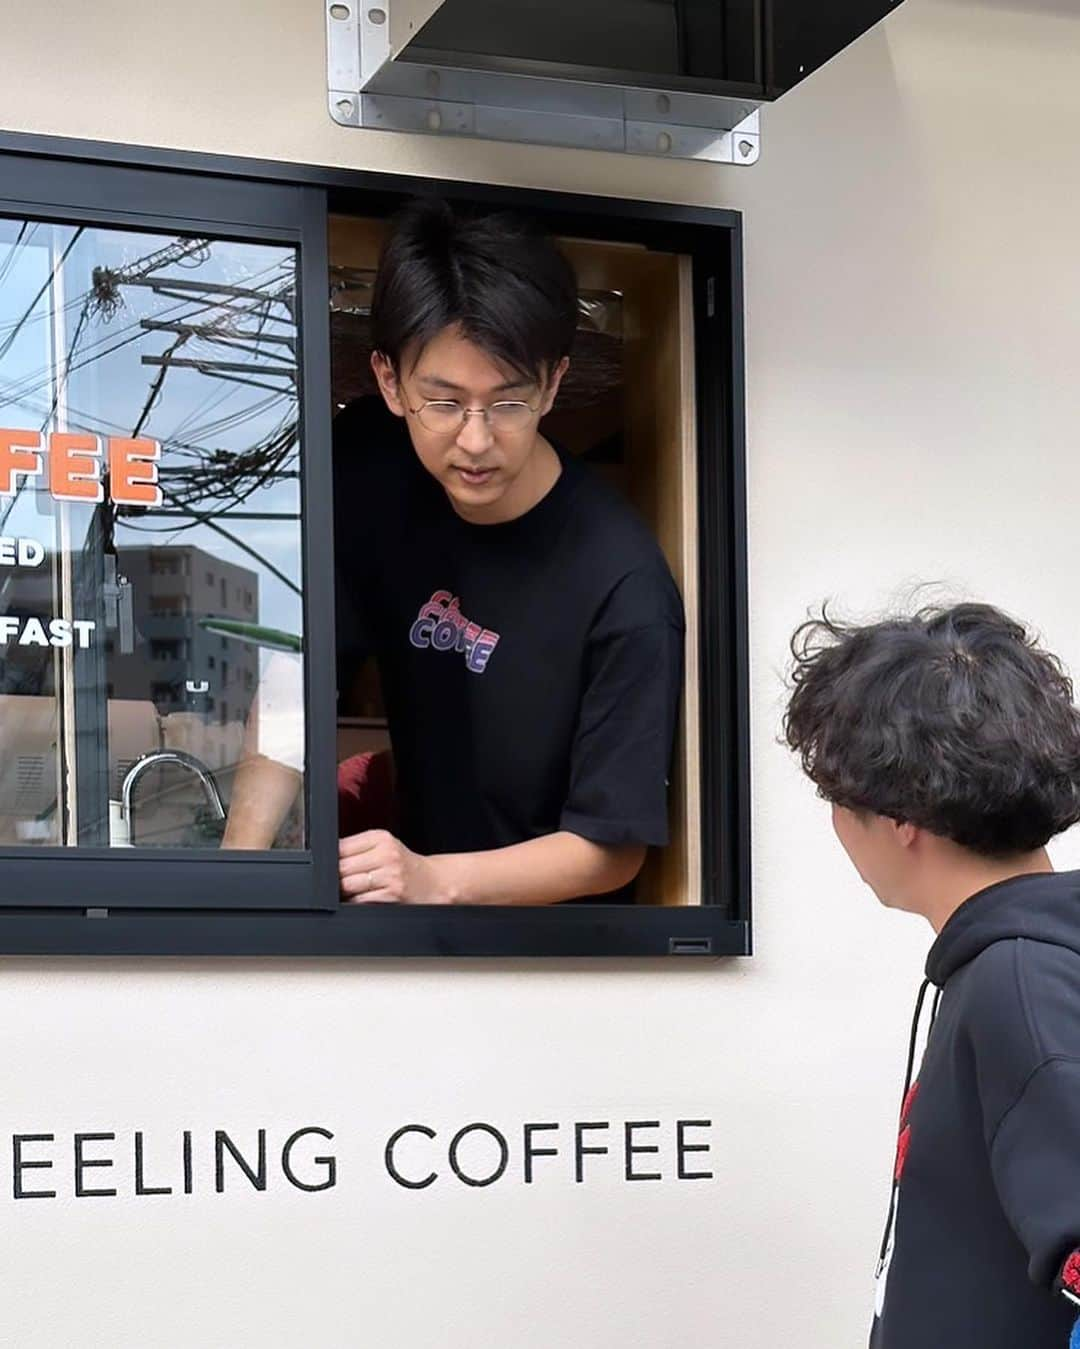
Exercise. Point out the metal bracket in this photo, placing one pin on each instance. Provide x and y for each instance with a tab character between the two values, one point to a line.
373	84
373	33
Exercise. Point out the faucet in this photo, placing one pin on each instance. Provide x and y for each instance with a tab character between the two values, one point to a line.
158	756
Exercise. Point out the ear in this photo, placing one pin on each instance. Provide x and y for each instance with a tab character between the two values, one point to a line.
555	379
387	380
906	833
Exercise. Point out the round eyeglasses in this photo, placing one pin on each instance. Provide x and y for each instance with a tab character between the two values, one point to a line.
447	417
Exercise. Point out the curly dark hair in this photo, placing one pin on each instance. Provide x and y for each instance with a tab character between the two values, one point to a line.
953	719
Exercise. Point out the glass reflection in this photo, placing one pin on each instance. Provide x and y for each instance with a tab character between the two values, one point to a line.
134	630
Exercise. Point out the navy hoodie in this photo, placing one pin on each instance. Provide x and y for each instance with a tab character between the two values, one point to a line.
985	1211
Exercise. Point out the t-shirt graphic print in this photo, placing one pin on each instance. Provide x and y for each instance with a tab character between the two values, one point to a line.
441	626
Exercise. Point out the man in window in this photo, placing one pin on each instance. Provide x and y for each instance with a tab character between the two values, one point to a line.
527	631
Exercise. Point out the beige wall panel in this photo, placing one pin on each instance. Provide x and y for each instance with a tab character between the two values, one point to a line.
246	78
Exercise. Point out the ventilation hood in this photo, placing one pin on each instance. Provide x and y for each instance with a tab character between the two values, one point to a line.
673	78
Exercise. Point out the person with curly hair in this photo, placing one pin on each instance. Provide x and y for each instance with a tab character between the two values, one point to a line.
948	746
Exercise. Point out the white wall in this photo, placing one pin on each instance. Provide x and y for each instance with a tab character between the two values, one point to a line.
914	306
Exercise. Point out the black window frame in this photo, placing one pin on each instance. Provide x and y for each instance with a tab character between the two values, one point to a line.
285	904
46	878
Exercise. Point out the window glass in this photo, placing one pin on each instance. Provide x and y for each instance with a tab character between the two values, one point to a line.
151	585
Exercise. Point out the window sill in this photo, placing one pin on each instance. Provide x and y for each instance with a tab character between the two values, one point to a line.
379	930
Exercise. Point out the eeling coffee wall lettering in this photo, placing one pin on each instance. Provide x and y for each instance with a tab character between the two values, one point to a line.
107	1163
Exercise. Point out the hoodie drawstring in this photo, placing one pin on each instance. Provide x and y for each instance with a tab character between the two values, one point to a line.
908	1075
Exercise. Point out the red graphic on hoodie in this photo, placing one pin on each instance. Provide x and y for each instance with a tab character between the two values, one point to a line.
1069	1278
903	1146
903	1143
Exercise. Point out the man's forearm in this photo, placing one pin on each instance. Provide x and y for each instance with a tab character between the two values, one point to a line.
540	871
262	795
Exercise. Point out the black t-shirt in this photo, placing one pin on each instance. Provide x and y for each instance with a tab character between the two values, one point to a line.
531	670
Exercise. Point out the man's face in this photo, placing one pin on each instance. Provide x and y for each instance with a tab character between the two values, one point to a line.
484	468
877	849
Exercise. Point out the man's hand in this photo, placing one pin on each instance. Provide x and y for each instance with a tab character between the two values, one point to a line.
377	868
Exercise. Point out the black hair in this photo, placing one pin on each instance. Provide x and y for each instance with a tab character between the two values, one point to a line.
497	278
953	719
